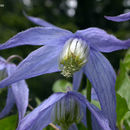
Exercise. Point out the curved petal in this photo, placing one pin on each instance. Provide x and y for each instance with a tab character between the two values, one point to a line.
20	91
77	77
21	94
2	62
102	41
3	72
10	101
99	116
40	117
38	36
95	125
39	21
41	61
94	122
119	18
102	76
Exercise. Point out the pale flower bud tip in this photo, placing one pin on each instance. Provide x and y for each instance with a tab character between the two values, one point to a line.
73	56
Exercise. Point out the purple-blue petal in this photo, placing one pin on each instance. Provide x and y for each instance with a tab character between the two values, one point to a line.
93	94
2	63
39	21
38	36
119	18
20	91
84	119
41	61
102	76
98	114
21	94
3	72
40	117
10	101
77	77
95	125
101	40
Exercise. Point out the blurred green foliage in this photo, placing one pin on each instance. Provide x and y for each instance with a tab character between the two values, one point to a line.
123	93
9	123
61	86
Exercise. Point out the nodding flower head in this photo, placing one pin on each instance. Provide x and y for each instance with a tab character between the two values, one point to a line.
73	56
67	111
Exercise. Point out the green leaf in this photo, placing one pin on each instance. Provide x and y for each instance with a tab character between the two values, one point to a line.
127	115
127	60
96	103
38	101
9	123
127	124
123	84
122	93
61	86
127	121
121	77
121	108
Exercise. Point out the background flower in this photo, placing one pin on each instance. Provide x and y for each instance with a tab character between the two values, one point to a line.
18	92
41	116
119	18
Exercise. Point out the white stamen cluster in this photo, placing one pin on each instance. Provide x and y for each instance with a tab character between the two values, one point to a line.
73	56
66	112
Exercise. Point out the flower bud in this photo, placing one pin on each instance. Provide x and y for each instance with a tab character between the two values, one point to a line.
73	56
66	112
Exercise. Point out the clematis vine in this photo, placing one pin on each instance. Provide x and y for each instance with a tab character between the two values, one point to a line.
64	110
18	92
72	54
119	18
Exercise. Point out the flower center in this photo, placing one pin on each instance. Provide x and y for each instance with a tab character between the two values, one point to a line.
73	56
66	112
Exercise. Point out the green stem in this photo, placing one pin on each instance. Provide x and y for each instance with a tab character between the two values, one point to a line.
88	113
120	125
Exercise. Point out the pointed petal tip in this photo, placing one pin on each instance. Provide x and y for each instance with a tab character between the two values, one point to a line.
119	18
38	36
100	40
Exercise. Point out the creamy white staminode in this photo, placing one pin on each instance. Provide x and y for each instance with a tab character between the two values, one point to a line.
73	56
66	112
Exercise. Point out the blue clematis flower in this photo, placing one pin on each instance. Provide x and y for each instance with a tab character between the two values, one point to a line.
63	49
63	109
18	92
119	18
